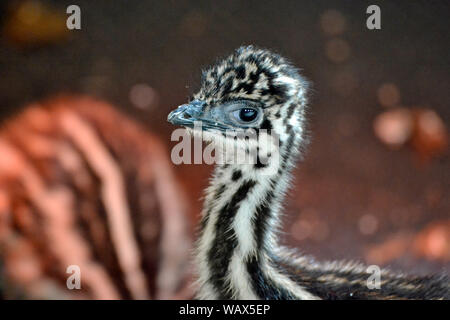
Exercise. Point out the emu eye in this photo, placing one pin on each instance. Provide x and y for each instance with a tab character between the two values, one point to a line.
246	114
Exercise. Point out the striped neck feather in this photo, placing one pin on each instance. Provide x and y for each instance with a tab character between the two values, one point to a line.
238	232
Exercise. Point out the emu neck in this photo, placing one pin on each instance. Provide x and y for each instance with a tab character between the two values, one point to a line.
238	234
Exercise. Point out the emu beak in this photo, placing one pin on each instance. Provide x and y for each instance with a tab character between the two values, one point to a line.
186	114
193	114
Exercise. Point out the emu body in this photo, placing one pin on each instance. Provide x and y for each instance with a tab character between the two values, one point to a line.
238	255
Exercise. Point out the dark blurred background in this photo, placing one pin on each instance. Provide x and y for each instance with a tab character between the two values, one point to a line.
374	185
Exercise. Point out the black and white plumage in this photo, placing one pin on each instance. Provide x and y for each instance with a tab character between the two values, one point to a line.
238	255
